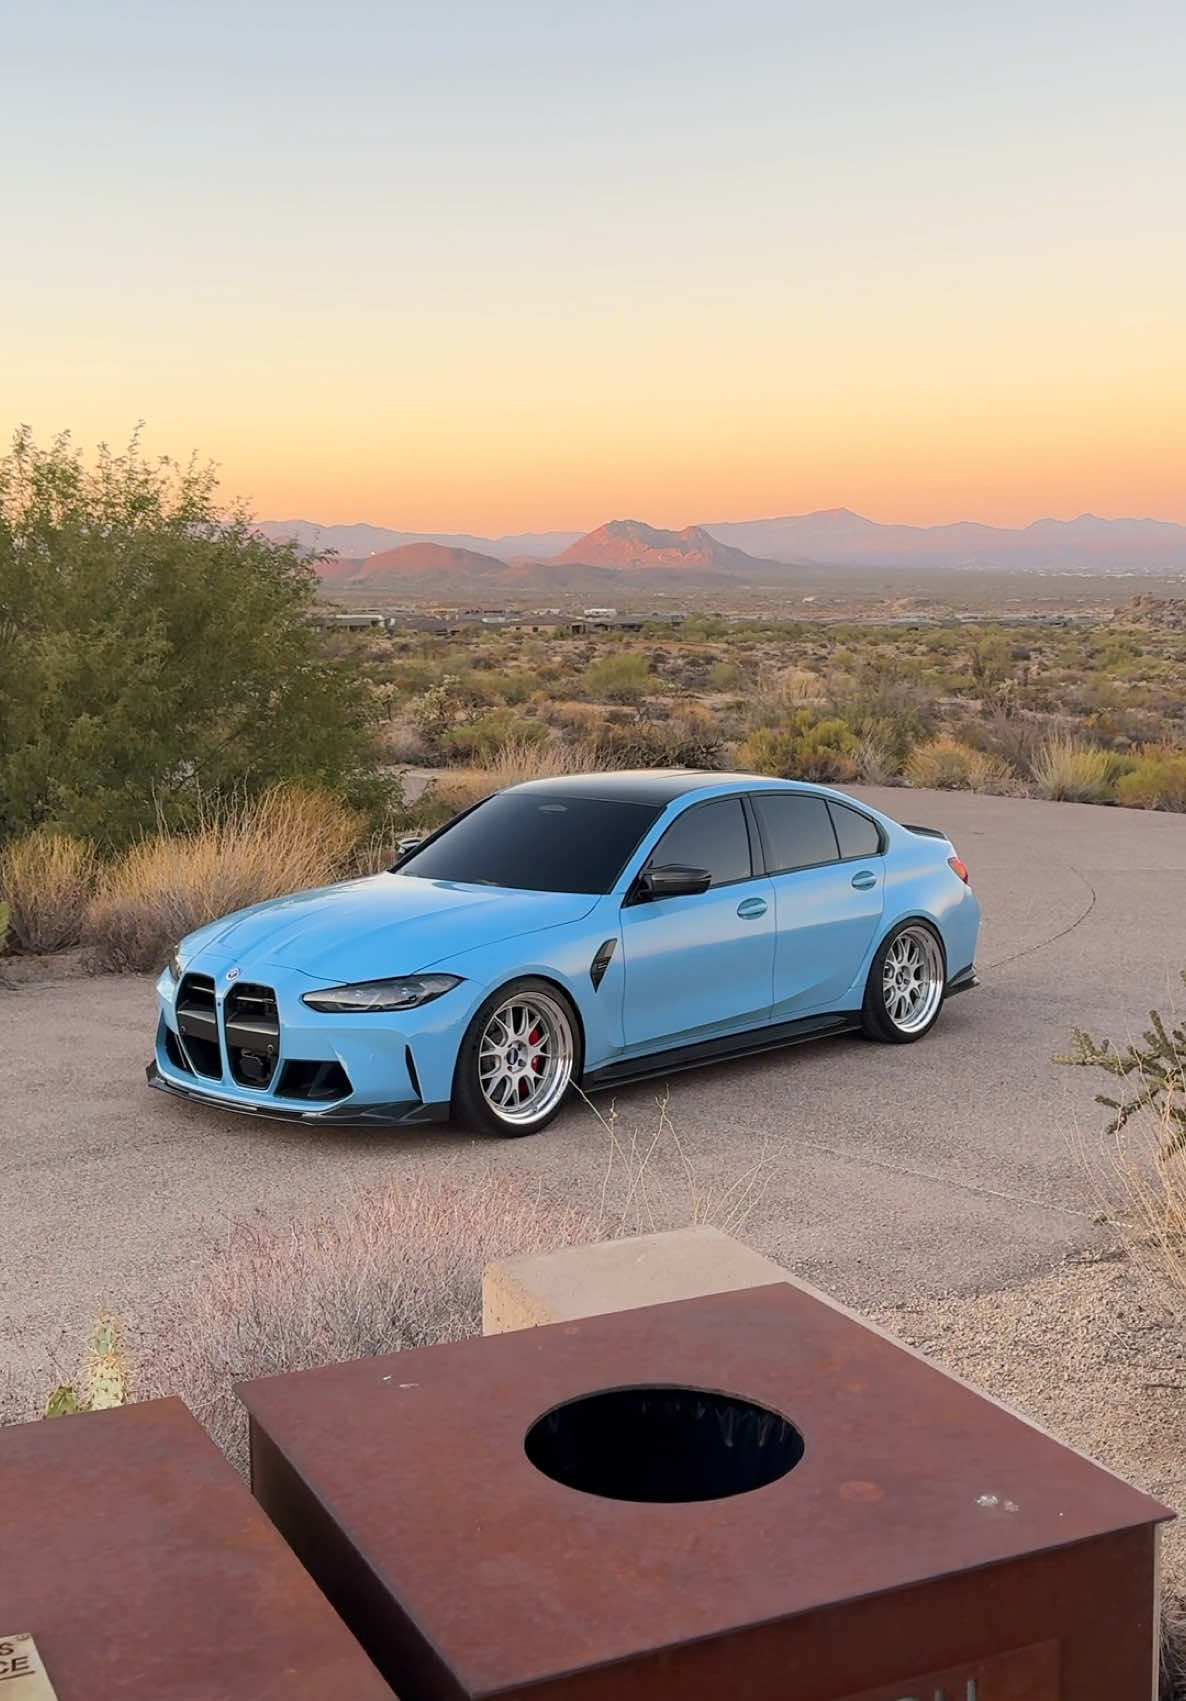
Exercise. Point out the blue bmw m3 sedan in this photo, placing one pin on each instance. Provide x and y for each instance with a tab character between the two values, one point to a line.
582	931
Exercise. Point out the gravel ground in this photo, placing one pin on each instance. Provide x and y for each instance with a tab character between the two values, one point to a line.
1093	1350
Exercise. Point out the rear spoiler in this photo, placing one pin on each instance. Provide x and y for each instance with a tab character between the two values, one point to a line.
924	832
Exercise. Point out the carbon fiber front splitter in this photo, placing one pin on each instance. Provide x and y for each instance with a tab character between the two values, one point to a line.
408	1112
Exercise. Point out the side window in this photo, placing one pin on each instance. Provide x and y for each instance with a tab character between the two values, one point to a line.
857	835
796	830
709	835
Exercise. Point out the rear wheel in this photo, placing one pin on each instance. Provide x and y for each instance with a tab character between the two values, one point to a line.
907	979
517	1061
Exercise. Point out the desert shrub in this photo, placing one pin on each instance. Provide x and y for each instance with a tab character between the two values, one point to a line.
889	705
480	739
1156	781
1069	771
624	677
510	685
876	762
688	739
436	711
403	745
946	764
1148	1175
396	1267
46	880
725	676
166	886
805	747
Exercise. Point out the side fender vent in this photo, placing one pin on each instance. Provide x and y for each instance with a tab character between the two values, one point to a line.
601	962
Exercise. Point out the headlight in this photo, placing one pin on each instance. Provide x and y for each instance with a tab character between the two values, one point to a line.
402	994
174	965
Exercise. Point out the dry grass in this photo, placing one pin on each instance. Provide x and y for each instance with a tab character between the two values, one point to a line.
647	1165
1066	770
1143	1190
512	764
286	841
394	1268
946	764
46	880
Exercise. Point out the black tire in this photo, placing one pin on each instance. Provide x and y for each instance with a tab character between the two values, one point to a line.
542	1061
906	986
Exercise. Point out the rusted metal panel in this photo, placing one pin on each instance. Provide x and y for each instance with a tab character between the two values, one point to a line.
1021	1674
923	1528
137	1559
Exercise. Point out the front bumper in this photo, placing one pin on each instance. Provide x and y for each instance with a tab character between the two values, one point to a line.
277	1110
275	1057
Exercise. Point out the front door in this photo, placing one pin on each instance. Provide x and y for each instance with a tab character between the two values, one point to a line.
703	963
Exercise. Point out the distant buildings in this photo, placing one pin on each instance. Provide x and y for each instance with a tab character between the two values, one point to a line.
447	621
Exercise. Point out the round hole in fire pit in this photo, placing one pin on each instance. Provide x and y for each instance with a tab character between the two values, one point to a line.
663	1444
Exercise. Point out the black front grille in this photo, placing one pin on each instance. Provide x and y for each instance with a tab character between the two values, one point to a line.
252	1026
197	1022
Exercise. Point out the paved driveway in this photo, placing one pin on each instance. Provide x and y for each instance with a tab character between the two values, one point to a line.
951	1164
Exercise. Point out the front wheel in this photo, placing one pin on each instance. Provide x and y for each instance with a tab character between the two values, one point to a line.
517	1061
907	980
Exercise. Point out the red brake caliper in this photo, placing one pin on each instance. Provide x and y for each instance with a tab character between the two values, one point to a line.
533	1038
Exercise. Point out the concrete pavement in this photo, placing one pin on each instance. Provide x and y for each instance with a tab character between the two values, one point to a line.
953	1164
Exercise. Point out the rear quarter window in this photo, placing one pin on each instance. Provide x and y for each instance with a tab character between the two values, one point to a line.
856	834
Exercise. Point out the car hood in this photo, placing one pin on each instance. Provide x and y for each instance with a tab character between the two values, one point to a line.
387	924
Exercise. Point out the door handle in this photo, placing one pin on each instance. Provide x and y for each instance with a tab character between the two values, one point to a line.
749	909
865	880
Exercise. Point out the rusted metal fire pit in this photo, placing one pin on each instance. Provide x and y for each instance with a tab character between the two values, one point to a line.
749	1495
144	1571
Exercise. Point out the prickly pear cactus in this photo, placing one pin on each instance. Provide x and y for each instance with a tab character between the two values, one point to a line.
106	1377
63	1402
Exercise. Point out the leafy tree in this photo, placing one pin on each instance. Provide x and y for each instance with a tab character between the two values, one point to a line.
154	649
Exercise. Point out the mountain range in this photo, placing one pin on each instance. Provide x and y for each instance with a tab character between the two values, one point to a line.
755	551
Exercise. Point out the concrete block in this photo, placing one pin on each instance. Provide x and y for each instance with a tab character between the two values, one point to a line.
618	1275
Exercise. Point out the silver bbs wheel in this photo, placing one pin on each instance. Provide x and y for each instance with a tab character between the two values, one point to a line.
525	1058
912	978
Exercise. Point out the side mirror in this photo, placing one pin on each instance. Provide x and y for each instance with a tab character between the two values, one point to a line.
672	880
407	843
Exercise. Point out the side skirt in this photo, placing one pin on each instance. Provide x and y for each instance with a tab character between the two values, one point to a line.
719	1049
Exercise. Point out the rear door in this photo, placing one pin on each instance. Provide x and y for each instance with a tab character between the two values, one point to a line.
702	963
827	866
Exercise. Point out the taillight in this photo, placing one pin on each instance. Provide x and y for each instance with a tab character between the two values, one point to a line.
960	868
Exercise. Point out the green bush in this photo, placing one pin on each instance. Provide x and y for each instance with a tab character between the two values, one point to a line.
478	740
805	747
622	678
155	650
1157	781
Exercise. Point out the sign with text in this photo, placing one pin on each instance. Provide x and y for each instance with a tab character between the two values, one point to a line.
1022	1674
22	1675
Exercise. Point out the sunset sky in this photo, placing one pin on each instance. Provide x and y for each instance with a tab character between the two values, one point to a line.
486	267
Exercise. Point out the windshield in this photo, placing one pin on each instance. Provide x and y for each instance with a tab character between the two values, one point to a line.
535	842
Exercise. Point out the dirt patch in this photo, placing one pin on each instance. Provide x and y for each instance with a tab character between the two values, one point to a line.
38	969
1094	1351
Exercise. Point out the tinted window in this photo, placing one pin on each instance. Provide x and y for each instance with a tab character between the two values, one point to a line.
858	836
536	843
797	830
709	835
